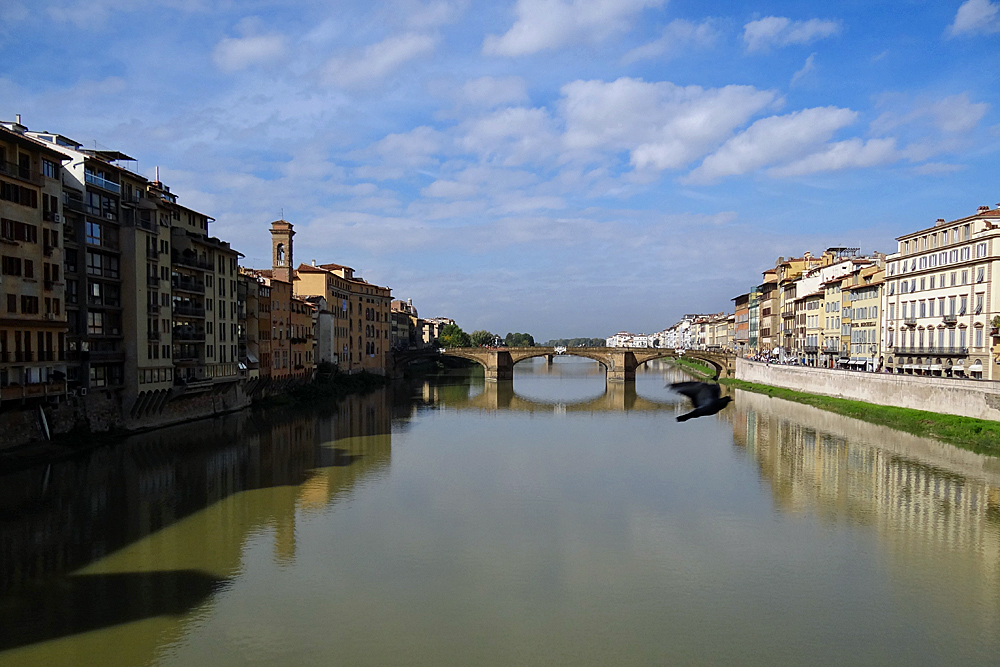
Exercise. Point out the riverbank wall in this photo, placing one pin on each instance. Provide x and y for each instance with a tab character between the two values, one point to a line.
965	398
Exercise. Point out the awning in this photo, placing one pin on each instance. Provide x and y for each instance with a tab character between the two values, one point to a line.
935	367
977	366
251	357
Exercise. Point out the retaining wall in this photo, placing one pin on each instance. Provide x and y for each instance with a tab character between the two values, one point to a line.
966	398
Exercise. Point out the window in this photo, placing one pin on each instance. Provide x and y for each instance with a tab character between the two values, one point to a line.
979	337
49	169
979	304
11	266
981	274
29	269
94	233
98	376
965	277
95	323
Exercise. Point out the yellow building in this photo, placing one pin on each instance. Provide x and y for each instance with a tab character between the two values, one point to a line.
33	325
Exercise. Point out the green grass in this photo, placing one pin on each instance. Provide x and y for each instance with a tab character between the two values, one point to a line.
978	435
695	366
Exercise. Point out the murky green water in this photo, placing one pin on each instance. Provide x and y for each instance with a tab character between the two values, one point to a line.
548	523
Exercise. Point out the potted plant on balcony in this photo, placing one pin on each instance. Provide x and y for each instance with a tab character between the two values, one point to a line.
995	324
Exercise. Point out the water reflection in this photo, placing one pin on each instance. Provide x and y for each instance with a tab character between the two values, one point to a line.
59	518
929	501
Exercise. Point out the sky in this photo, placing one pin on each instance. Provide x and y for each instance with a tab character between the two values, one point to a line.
559	167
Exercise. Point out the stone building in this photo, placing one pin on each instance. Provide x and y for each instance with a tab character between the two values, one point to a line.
940	297
33	327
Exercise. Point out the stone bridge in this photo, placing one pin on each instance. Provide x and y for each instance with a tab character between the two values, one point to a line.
619	362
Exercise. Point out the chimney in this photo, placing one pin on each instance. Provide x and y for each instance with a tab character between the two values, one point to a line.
314	262
939	222
17	118
983	209
409	302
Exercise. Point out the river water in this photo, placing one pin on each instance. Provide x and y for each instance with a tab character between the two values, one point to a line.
551	522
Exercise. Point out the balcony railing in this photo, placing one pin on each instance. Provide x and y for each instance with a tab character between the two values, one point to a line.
949	319
186	334
17	392
930	351
153	335
15	170
101	182
75	205
811	349
188	285
98	212
910	321
152	281
194	262
196	311
152	309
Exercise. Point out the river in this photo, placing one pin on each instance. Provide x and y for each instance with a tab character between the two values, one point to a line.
548	522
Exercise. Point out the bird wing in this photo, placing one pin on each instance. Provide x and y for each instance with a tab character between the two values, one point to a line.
692	390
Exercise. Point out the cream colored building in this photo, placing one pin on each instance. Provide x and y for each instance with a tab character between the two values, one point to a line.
941	293
863	306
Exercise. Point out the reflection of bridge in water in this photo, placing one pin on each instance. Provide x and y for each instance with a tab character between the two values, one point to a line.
617	397
619	363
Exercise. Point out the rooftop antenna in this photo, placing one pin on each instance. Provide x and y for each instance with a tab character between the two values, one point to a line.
157	173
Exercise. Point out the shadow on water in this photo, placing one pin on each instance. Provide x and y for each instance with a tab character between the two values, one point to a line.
58	518
82	603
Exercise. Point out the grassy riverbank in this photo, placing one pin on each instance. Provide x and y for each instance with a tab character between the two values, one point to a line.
978	435
695	366
335	386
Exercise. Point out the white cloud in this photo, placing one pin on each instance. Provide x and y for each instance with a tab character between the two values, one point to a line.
662	125
771	140
853	153
779	31
550	24
431	14
807	68
235	53
677	35
450	190
512	136
488	91
954	114
378	60
976	16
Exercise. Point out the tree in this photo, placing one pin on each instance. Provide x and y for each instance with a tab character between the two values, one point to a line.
519	340
452	336
482	338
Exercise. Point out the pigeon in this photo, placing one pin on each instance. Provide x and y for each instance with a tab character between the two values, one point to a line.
703	395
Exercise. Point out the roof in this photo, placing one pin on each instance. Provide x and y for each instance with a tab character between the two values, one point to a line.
35	144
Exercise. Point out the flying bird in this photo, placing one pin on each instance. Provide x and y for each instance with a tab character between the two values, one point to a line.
703	395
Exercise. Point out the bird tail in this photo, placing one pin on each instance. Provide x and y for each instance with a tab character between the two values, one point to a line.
684	418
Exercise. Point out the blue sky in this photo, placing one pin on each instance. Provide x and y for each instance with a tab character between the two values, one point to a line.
563	167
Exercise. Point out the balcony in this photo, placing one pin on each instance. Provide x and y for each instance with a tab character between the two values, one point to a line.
193	286
930	351
153	335
106	355
47	250
185	334
16	392
152	309
153	281
189	310
909	321
191	261
950	320
97	212
811	349
75	205
152	253
25	174
101	182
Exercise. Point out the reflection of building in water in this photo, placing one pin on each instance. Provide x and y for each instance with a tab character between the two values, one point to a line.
923	496
59	517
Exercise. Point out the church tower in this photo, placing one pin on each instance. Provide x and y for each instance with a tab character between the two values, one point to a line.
281	250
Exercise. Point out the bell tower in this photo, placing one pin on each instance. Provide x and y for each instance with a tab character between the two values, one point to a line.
281	250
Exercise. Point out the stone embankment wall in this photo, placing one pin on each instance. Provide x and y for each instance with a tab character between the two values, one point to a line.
966	398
